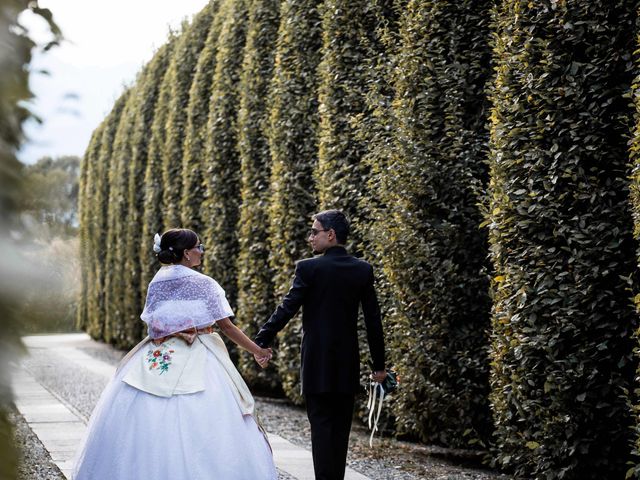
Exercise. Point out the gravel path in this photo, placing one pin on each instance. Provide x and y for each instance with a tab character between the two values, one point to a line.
35	461
388	460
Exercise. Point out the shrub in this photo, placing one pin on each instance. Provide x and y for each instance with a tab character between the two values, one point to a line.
222	177
194	159
352	53
96	310
431	249
147	92
255	288
115	251
561	239
293	123
152	218
86	185
181	73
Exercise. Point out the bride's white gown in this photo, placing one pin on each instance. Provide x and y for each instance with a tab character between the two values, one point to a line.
134	435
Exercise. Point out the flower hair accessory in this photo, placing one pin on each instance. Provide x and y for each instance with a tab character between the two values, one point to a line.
156	243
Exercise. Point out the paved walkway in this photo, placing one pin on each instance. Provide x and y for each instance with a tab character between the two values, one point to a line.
60	427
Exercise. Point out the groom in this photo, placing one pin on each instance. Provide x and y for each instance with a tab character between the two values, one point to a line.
330	288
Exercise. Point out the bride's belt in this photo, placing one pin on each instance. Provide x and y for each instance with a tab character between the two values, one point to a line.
188	336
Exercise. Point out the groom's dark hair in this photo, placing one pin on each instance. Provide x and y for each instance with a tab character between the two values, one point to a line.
336	220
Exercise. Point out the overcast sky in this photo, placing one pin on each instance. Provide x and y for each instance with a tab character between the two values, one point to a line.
108	43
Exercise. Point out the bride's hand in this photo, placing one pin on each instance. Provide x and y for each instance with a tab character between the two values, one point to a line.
263	356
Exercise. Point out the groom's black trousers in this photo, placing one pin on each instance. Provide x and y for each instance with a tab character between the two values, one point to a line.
330	416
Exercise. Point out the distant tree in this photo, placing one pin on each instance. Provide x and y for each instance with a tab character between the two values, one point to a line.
51	193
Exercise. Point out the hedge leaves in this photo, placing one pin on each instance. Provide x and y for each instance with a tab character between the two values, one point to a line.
561	238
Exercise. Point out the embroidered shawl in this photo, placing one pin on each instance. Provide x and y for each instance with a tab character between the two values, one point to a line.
180	298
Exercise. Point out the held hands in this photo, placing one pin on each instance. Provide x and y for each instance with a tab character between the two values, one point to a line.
379	376
263	357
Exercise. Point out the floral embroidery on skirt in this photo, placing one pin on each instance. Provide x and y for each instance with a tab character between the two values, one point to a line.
159	358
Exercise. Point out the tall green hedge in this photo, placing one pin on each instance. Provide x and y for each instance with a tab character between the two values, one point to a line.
152	218
372	129
147	92
194	159
85	230
341	176
99	213
222	177
88	227
181	72
293	124
379	108
561	239
353	34
431	249
115	249
635	210
255	287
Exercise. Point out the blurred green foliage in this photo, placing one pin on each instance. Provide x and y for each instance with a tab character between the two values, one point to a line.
15	272
51	305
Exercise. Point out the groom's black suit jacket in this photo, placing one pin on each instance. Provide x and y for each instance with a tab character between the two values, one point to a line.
330	289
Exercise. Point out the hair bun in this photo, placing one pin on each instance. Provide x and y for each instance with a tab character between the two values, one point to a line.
173	244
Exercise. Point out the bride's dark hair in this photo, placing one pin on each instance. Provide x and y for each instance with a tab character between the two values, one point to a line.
174	242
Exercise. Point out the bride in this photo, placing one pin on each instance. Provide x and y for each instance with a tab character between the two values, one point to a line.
177	408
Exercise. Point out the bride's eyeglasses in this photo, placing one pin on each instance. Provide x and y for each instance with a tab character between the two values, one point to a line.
200	247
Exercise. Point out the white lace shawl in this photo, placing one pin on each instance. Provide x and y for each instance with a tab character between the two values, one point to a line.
180	298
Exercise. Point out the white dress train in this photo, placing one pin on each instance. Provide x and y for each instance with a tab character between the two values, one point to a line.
134	435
